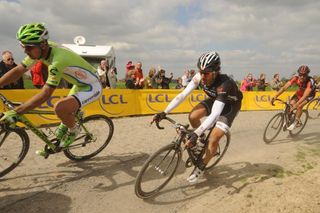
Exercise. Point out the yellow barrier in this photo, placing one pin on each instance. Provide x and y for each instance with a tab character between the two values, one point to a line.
123	102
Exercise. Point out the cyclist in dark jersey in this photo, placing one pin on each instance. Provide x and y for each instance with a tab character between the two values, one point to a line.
221	107
305	93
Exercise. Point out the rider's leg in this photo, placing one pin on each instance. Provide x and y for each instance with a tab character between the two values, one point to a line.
214	139
198	112
300	108
66	109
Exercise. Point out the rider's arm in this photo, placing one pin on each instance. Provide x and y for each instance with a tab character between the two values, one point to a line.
12	75
282	89
211	119
182	95
36	100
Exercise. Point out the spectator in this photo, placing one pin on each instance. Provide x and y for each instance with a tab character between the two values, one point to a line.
139	73
261	83
191	74
150	82
131	81
39	74
185	78
7	64
179	84
276	84
103	73
129	67
163	80
112	76
248	83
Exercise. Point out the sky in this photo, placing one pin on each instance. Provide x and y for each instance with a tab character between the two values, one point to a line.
251	36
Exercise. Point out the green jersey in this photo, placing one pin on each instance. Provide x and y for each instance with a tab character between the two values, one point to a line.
64	64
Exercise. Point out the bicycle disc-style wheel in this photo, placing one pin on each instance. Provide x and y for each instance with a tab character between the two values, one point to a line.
86	146
157	171
300	127
221	150
314	109
273	128
14	145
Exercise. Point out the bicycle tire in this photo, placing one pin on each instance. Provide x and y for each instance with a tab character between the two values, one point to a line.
313	108
304	118
79	149
221	150
7	147
274	120
143	180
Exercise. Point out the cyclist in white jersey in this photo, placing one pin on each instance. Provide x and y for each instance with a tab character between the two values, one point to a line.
62	64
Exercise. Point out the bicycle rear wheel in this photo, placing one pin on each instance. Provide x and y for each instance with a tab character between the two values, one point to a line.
314	108
299	128
14	145
273	127
157	171
100	131
221	150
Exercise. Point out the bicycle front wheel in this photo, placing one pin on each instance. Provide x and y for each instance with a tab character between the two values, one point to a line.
221	150
299	127
157	171
314	108
14	145
273	128
88	144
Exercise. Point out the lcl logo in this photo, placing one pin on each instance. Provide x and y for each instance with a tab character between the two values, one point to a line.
113	100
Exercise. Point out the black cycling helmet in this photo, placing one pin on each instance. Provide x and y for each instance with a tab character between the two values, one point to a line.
303	70
209	62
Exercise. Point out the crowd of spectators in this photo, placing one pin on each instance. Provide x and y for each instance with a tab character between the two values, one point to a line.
134	77
249	83
155	79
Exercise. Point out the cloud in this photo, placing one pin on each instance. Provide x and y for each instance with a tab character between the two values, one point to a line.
250	35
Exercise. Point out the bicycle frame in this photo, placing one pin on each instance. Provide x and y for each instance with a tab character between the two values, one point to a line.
38	132
286	112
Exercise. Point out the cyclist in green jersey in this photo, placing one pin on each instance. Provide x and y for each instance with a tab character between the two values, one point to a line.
62	64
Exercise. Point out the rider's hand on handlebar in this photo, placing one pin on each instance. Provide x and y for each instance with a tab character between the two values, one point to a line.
9	116
192	140
158	117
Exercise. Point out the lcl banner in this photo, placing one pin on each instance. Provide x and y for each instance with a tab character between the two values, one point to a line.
124	102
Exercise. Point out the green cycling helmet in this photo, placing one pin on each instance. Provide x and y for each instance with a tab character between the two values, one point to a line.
33	33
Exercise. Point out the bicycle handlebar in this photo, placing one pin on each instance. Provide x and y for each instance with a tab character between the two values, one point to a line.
281	101
168	119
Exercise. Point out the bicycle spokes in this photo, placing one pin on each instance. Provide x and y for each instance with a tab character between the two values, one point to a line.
158	167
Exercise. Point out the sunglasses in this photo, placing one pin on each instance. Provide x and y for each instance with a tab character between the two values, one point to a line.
28	47
10	59
205	72
302	75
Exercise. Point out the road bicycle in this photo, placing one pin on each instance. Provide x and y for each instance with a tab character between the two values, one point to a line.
96	133
313	108
161	166
282	120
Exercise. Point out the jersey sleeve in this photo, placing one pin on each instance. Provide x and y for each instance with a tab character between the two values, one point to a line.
27	62
293	80
54	75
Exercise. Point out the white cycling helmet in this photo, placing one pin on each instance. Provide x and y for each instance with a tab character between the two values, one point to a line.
209	62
